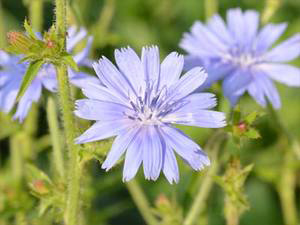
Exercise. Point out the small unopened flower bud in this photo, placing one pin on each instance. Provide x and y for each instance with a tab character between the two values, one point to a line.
50	44
162	201
40	187
19	41
242	127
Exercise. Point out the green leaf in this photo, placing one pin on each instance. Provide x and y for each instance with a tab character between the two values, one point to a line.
29	30
34	173
30	74
68	60
236	117
252	134
250	118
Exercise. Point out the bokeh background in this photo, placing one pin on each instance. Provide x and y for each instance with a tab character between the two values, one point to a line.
119	23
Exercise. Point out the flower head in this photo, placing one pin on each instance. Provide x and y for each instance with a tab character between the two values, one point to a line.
12	72
139	102
242	55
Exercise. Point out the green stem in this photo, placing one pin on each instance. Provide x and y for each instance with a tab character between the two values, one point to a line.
36	14
211	7
286	189
270	8
58	159
73	189
141	202
2	27
17	165
232	214
287	182
216	142
16	159
73	150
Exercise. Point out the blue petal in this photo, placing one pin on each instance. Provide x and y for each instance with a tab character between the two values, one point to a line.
171	68
99	92
251	21
189	82
236	25
286	51
47	75
100	110
170	167
75	38
8	94
131	66
32	94
151	63
80	79
153	148
185	147
264	87
199	101
133	158
81	56
112	78
217	25
283	73
235	85
268	35
104	129
198	117
119	146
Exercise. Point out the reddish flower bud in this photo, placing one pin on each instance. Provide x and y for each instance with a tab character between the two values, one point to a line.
40	187
19	41
242	127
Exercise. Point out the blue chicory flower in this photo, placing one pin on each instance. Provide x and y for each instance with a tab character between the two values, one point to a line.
242	55
12	72
139	102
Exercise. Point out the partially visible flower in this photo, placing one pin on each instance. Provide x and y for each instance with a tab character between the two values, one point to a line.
242	55
12	72
139	103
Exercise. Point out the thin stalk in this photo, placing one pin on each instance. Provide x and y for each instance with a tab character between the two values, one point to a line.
211	7
270	8
36	14
287	184
286	189
16	155
17	166
216	142
58	160
2	27
73	191
141	202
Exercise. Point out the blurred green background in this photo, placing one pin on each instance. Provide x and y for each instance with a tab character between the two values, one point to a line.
118	23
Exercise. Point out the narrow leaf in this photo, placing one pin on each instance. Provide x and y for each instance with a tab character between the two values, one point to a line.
30	74
70	62
252	134
29	30
250	118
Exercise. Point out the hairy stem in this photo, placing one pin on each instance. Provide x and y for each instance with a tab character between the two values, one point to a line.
70	134
141	202
73	189
58	159
213	146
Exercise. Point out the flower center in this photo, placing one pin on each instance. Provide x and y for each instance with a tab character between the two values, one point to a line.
241	58
149	108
